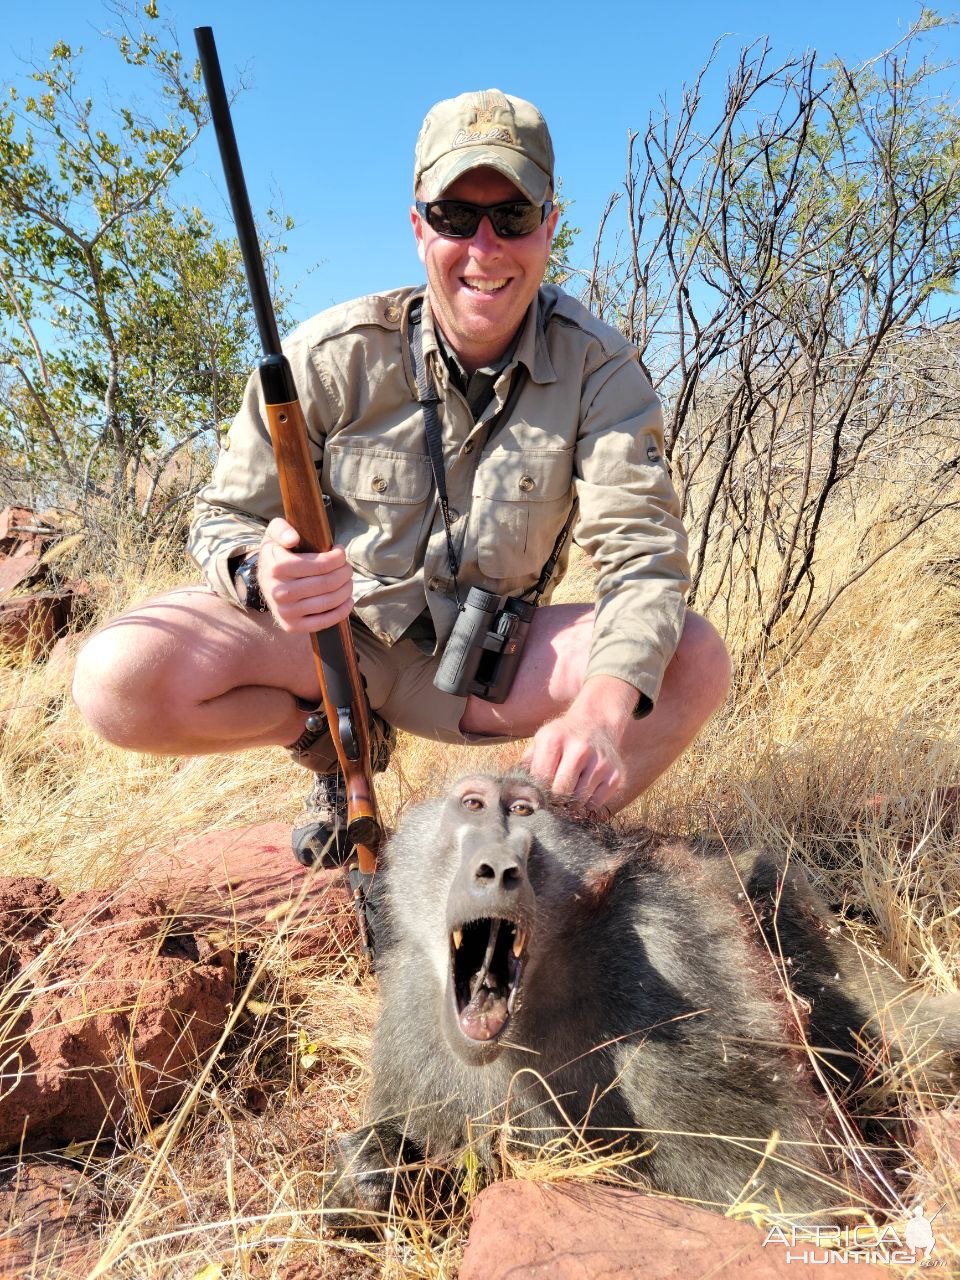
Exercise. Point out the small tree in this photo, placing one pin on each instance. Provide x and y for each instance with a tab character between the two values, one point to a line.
776	267
125	327
559	270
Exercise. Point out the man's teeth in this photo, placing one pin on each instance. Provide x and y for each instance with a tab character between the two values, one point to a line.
485	286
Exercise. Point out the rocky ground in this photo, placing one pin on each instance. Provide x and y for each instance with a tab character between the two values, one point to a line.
113	1002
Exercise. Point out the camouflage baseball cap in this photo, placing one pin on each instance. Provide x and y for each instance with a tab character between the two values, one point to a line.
485	129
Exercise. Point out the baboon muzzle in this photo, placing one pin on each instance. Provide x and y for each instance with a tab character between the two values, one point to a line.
490	904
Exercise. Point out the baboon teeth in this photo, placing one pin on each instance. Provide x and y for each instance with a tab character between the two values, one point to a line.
514	986
486	967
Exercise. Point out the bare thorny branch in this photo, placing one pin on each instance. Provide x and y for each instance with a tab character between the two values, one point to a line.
778	269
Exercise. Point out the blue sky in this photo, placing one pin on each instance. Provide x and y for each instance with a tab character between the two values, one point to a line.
335	93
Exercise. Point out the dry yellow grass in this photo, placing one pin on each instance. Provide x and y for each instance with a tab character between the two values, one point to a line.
843	759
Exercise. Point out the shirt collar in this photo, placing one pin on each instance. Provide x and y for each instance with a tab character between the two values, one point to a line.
531	347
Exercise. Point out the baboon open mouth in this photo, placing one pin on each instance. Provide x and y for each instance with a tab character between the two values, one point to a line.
487	957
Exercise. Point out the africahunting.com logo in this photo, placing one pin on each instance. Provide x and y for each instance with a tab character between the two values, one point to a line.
909	1243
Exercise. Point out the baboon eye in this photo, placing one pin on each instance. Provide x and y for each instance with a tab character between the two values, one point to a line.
472	802
522	808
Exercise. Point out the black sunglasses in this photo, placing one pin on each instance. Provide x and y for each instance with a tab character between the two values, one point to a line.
459	219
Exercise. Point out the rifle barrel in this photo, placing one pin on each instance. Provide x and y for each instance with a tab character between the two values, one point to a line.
237	190
344	699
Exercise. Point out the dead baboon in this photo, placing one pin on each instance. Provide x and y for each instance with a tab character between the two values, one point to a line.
544	977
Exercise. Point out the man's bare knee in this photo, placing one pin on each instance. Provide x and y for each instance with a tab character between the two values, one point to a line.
187	674
114	687
702	664
133	679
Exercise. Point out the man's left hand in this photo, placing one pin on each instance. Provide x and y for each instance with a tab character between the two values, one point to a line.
578	754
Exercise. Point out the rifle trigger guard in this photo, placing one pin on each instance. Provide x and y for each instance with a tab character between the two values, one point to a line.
348	739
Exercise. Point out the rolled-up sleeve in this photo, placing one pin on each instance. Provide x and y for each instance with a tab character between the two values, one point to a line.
630	526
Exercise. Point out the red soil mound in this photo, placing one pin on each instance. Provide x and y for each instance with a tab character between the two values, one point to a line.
107	1003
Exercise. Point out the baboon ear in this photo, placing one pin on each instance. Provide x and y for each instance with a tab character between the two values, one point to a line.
600	879
597	884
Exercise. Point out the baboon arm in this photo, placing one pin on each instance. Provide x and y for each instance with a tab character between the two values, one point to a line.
361	1184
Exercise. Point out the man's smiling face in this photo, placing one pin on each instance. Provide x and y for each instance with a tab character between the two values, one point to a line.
480	288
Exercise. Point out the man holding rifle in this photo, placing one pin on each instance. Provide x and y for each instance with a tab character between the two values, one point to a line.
508	402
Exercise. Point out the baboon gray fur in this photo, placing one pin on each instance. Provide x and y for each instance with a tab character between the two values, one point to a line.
651	1018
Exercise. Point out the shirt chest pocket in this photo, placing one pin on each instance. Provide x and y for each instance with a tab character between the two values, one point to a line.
521	499
381	502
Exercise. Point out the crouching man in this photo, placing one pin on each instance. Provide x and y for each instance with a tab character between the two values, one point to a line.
543	419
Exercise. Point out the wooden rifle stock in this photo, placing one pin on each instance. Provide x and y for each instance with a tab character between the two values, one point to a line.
341	685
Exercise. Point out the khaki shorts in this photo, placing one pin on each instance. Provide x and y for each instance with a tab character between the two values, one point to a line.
400	688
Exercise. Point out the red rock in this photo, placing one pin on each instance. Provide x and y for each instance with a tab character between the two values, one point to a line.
111	1004
26	903
31	624
526	1231
47	1211
123	995
18	569
248	875
17	523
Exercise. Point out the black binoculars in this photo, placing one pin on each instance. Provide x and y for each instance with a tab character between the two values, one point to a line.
485	646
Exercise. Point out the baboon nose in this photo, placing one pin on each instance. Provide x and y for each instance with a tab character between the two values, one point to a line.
498	874
492	877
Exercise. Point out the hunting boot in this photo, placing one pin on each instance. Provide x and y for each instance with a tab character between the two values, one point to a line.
320	833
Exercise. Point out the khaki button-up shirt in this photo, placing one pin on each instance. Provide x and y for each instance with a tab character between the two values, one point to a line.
586	425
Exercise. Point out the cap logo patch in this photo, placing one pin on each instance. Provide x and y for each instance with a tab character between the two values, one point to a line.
465	137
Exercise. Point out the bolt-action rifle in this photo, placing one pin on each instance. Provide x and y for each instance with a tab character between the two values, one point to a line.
344	700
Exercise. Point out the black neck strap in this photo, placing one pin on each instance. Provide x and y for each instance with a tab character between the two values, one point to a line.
428	400
431	421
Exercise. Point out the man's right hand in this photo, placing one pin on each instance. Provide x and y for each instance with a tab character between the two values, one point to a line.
304	590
